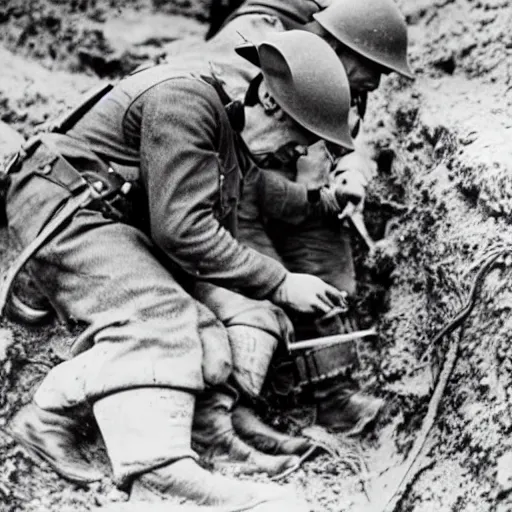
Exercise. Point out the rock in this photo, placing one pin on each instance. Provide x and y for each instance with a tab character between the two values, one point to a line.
6	340
504	472
10	139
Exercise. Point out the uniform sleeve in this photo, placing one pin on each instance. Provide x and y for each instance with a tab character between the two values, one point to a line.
184	132
282	199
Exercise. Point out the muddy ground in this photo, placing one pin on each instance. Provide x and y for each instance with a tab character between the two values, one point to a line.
441	204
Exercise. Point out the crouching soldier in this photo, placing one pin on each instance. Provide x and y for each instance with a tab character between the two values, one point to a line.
129	256
370	39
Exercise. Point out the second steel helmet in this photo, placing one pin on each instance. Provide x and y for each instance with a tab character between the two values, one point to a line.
307	80
375	29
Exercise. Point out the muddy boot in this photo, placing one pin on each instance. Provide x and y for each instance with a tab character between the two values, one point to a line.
277	505
214	438
53	438
343	408
147	434
165	489
263	437
26	303
185	479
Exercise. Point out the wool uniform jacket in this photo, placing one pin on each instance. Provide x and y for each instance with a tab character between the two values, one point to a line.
172	126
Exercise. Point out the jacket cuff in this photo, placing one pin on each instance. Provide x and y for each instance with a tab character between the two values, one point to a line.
271	276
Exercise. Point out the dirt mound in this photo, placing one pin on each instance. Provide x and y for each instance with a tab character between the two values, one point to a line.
100	36
447	135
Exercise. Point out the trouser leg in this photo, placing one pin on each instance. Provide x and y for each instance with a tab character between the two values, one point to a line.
143	331
255	328
144	328
147	432
319	248
145	428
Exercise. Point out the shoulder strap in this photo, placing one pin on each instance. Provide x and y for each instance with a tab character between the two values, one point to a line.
234	109
65	122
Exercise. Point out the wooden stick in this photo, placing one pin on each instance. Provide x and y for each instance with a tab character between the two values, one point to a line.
332	340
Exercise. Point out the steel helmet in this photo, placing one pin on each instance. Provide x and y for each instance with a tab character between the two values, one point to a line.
307	80
375	29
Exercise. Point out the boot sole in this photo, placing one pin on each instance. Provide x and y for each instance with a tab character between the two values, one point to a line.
247	468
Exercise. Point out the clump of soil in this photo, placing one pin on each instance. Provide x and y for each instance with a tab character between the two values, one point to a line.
87	35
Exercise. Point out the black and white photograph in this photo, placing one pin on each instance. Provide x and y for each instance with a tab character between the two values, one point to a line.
255	256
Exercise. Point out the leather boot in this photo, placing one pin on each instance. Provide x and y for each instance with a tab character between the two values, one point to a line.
52	437
343	408
215	440
263	437
26	303
147	435
145	428
186	480
277	505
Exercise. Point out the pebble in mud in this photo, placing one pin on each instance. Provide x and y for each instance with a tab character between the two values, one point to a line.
6	340
504	472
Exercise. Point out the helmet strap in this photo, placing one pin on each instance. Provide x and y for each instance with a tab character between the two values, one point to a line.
252	93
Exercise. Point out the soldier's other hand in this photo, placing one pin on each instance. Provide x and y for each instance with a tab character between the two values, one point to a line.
308	294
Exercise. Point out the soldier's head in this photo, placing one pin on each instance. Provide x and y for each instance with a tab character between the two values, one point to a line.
302	94
369	36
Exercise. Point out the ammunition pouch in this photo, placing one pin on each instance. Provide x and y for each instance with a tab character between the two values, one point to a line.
115	197
292	379
293	376
111	193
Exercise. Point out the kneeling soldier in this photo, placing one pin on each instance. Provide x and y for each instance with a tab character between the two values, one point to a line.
132	257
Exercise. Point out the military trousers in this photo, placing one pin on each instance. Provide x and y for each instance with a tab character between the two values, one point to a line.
142	326
314	245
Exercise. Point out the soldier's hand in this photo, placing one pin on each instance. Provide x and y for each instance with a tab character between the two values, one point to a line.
308	294
350	177
355	162
349	187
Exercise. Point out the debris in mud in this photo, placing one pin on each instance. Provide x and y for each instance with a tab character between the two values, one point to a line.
6	340
87	36
504	473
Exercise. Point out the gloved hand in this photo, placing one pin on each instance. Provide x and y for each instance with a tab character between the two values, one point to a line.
347	183
307	294
359	163
348	188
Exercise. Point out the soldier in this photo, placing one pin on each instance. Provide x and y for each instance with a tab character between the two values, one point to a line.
370	39
122	255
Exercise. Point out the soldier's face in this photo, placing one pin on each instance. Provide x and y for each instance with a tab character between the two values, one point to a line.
363	74
268	128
